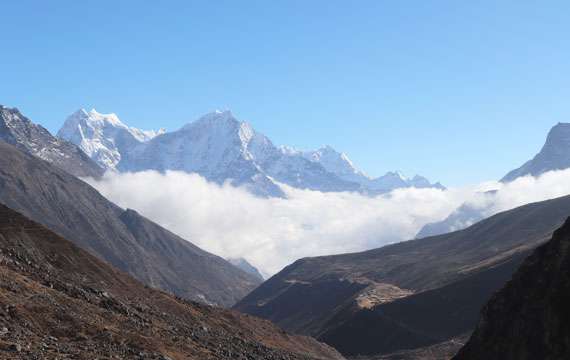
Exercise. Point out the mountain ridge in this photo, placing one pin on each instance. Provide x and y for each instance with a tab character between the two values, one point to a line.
18	130
220	147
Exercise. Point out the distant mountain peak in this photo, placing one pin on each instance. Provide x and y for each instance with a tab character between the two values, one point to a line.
215	118
103	136
223	125
246	266
220	147
396	174
554	155
328	150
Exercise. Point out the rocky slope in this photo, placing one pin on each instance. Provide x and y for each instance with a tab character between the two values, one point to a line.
121	237
221	148
18	130
59	302
529	318
412	294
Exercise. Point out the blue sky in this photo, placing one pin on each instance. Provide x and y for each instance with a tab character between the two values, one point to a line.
459	91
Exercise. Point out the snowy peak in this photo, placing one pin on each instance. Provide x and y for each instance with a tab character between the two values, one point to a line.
216	146
554	155
97	120
340	165
216	118
224	133
222	124
334	161
221	148
103	136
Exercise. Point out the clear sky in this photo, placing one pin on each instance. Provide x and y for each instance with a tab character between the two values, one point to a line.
459	91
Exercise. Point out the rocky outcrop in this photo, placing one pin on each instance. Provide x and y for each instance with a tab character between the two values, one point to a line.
530	317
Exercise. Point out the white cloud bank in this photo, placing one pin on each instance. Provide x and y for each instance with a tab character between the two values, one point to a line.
271	233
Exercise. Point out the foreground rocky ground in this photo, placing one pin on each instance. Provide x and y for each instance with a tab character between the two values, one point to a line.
59	302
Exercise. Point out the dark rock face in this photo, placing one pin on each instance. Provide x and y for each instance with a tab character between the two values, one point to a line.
425	291
123	238
19	131
58	301
530	317
554	155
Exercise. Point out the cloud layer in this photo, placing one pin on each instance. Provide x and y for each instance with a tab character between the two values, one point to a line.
271	233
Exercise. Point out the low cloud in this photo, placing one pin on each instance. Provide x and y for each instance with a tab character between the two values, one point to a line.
523	190
272	233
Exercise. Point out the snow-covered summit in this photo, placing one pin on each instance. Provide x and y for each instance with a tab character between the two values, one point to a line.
224	127
396	179
103	136
339	164
222	148
336	162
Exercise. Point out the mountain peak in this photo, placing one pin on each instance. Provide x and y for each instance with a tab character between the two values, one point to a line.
220	147
103	136
217	119
554	155
95	116
243	264
217	116
559	135
396	174
328	149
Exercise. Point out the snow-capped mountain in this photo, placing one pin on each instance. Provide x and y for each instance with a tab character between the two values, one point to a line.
554	155
103	136
216	146
18	130
336	162
339	164
222	148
